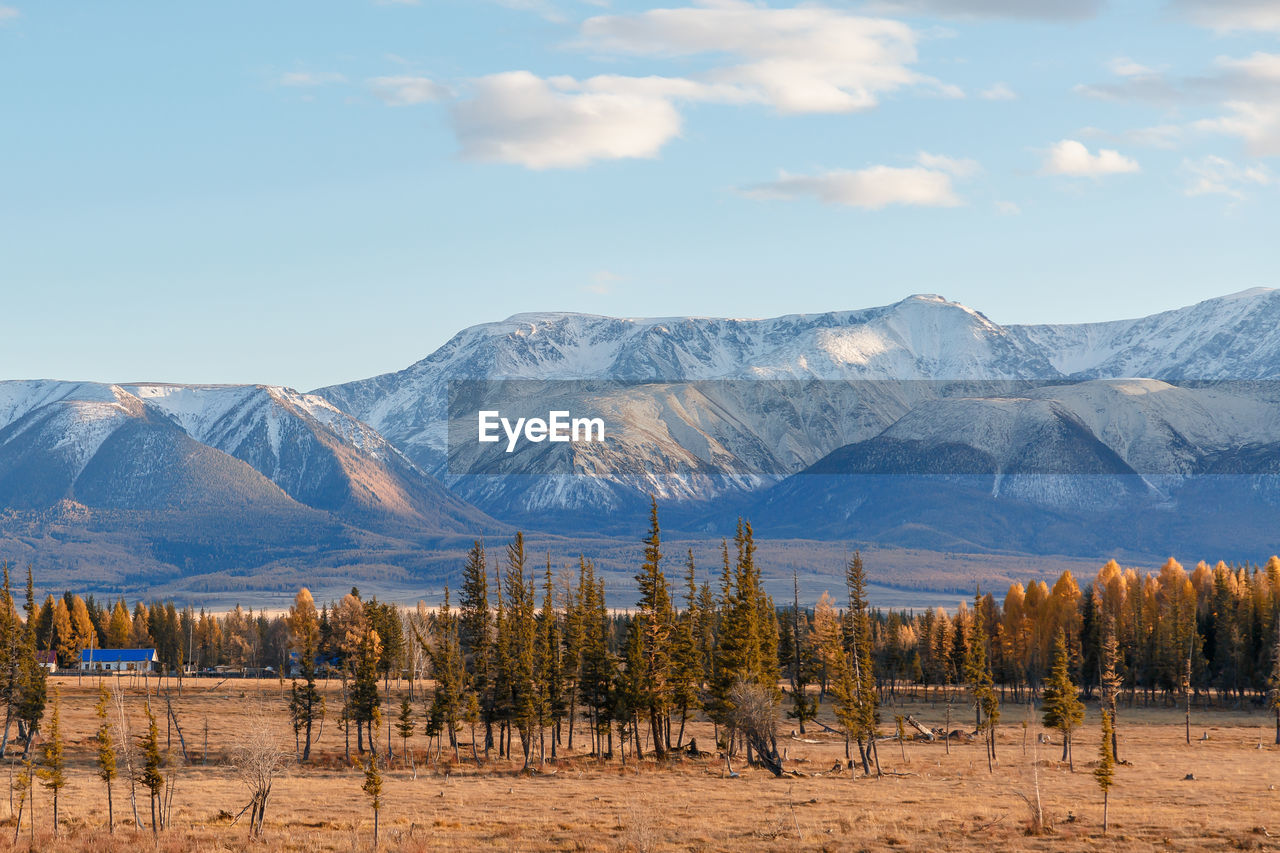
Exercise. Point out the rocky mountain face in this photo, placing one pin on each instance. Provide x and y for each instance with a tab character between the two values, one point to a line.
178	480
715	408
922	424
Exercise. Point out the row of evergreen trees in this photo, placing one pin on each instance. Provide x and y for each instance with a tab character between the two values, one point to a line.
525	660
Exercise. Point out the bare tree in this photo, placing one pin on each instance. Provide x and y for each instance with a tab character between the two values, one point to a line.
755	714
258	758
128	749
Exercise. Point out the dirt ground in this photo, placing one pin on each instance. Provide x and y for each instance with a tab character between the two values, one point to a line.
927	800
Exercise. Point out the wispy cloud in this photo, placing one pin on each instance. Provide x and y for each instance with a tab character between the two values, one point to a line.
1071	158
407	90
8	13
1233	15
1042	9
929	184
602	282
1214	175
807	59
304	79
998	92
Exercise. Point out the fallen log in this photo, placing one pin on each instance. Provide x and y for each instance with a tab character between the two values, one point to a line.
915	724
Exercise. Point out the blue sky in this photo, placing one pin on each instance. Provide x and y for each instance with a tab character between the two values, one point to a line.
305	193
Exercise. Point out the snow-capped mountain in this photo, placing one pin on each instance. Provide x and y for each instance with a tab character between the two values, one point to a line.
776	396
205	477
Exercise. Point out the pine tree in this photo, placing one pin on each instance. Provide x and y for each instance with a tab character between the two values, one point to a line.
450	674
977	671
106	751
307	706
1273	682
805	706
405	724
372	788
1110	682
655	615
32	678
1063	709
151	777
549	663
11	635
517	642
22	787
1105	771
858	638
364	700
53	769
475	629
119	627
686	657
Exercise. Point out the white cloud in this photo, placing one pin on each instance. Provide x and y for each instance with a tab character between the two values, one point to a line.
1125	67
959	167
1166	136
602	282
1043	9
8	13
1218	176
1008	208
807	59
1233	15
517	117
998	92
1070	157
310	78
1258	124
928	184
407	90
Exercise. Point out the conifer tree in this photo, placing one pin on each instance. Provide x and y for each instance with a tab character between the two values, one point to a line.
106	751
858	637
1063	709
596	668
981	684
475	633
630	697
517	641
22	787
405	724
307	705
805	707
150	776
11	636
365	701
686	658
119	627
53	769
655	615
372	788
1105	771
32	678
1110	682
1273	682
450	674
549	664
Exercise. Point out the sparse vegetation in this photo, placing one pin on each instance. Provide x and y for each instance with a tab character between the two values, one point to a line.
589	693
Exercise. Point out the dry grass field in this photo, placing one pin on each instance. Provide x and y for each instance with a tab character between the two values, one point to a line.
931	800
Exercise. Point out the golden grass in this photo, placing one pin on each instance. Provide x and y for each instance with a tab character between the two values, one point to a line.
938	802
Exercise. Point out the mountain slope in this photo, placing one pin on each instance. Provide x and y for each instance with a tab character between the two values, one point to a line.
764	399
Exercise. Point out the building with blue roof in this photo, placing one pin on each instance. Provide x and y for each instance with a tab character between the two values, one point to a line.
119	660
